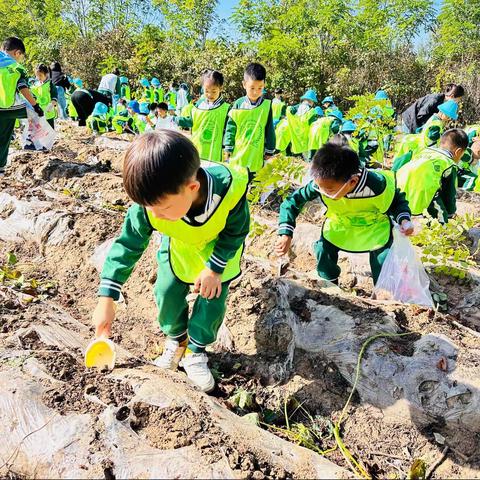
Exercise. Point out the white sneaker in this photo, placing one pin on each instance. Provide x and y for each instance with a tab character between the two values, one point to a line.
196	368
172	353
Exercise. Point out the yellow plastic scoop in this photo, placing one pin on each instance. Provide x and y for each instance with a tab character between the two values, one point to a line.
100	353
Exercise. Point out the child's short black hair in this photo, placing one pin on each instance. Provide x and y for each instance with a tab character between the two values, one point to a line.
157	164
454	90
162	106
214	76
335	162
41	67
152	106
456	137
279	91
255	71
13	43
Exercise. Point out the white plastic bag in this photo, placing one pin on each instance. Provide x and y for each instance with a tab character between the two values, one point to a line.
403	277
38	131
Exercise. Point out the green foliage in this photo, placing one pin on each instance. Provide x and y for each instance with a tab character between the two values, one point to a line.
278	175
11	276
375	115
242	399
446	246
418	470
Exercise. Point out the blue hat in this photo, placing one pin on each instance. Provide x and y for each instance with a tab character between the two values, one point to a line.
100	109
450	109
348	127
171	107
381	95
318	111
310	95
144	82
336	113
155	82
144	108
327	100
123	80
134	105
77	82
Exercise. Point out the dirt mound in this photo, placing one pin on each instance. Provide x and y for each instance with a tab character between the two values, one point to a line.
286	356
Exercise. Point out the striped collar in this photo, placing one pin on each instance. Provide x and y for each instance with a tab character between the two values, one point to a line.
361	183
203	216
204	104
248	104
442	151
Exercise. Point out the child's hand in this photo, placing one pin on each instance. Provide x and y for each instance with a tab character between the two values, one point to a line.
208	284
406	228
103	316
283	245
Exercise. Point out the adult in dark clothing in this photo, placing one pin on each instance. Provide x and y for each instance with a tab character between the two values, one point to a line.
60	80
84	101
418	113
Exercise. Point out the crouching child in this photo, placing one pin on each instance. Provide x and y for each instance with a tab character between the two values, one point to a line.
360	206
203	216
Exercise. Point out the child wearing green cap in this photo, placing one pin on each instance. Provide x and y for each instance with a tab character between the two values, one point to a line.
97	122
428	136
300	119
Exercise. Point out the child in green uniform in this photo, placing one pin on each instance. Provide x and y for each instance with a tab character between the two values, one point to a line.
360	204
430	180
13	80
279	107
428	135
45	93
147	93
203	216
250	134
300	119
124	122
97	122
125	89
323	129
208	118
328	104
158	92
468	166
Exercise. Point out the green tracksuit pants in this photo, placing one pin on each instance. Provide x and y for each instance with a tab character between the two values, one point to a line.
327	259
170	295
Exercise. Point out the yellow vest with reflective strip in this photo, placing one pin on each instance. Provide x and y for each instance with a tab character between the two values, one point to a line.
299	130
207	131
9	77
360	224
190	247
421	178
250	137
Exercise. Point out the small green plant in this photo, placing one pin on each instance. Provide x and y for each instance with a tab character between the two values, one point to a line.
242	399
12	277
445	245
114	207
374	115
279	175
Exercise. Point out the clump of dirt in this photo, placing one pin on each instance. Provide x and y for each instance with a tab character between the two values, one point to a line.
180	426
79	384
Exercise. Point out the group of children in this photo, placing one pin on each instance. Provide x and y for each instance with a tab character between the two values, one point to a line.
194	192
